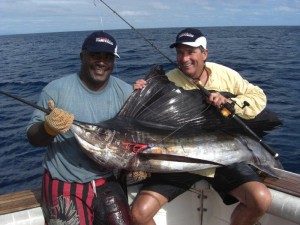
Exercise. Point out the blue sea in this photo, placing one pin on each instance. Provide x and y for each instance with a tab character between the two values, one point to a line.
266	56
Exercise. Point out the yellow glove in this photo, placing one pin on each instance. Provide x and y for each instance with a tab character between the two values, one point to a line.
58	121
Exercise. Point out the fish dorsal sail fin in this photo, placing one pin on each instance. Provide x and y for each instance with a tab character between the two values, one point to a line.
162	106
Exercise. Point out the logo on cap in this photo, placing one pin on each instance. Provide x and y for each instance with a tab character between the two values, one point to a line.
105	40
186	34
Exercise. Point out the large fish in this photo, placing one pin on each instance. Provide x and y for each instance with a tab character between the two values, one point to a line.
163	128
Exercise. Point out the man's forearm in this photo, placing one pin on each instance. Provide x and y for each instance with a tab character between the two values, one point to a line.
37	135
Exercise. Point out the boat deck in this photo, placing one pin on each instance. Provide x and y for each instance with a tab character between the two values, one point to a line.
18	201
288	183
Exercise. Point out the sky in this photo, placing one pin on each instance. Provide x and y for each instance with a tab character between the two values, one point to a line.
43	16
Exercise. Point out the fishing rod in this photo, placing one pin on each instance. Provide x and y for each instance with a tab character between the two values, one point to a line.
47	111
139	33
226	109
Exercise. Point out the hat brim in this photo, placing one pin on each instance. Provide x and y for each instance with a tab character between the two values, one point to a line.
192	44
97	51
201	41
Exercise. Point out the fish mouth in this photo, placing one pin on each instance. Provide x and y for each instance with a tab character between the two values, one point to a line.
99	144
88	136
83	134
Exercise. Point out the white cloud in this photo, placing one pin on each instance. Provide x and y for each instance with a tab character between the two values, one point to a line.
159	5
26	16
134	13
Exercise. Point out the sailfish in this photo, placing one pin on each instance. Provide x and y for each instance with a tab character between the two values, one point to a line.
164	128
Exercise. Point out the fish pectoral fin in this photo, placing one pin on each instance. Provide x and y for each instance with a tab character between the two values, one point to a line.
136	148
175	158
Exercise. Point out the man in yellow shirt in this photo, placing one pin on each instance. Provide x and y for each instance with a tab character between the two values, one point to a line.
235	183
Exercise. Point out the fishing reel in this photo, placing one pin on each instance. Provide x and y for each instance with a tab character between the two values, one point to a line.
227	109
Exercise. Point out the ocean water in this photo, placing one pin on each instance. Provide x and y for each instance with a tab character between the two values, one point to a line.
266	56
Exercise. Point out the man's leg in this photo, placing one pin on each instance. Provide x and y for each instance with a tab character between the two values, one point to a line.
157	191
255	199
145	206
240	183
66	203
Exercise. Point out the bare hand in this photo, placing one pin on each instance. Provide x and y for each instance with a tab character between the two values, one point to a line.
139	84
217	99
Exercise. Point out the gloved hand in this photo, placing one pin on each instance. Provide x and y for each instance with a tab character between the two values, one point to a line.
58	121
138	175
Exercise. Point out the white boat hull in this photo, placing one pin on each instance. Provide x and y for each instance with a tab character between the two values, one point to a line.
207	208
202	208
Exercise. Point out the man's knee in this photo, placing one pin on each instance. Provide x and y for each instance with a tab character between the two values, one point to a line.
262	200
139	214
258	199
145	206
253	195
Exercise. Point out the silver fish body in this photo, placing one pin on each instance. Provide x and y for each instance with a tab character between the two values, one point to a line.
162	121
121	150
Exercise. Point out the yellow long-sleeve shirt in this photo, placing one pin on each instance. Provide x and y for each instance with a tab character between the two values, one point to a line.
224	79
